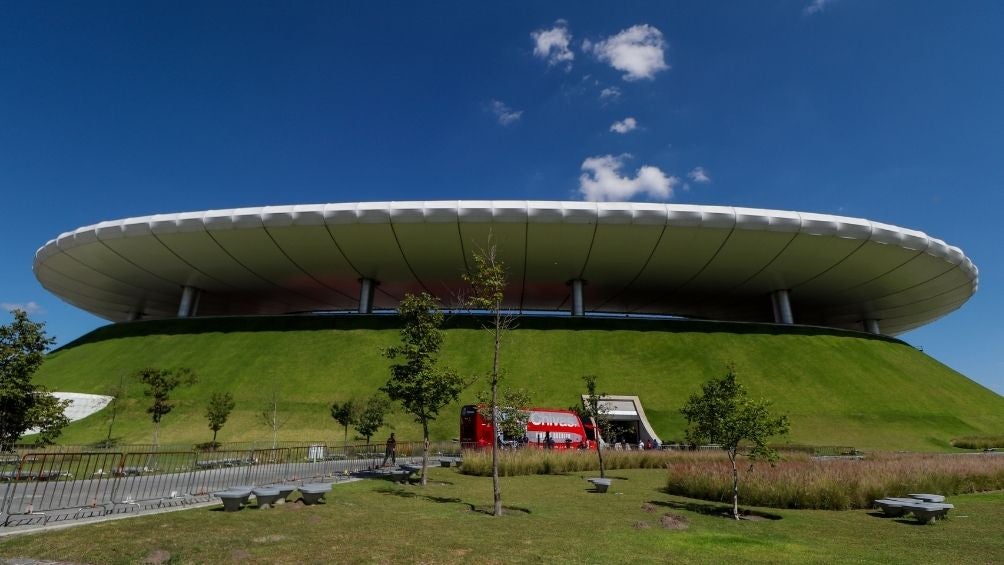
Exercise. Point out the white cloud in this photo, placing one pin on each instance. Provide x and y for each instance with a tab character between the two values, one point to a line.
611	93
31	307
637	50
815	7
602	180
552	45
624	126
699	175
504	114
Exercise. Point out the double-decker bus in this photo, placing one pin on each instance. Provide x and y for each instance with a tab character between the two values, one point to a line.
545	428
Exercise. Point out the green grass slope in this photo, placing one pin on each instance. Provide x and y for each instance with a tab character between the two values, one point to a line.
839	388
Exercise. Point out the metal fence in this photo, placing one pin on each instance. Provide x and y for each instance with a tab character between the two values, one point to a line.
69	484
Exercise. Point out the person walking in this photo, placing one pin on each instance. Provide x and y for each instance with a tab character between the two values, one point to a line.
390	451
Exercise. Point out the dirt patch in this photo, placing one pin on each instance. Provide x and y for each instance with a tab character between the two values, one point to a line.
269	539
157	557
314	519
460	552
650	508
674	522
293	506
240	555
642	525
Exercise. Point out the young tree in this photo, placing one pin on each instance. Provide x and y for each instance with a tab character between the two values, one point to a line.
111	411
22	350
488	283
512	413
160	383
346	414
595	410
371	416
271	417
722	414
221	404
417	383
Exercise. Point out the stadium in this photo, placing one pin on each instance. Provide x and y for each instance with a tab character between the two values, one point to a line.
702	262
654	298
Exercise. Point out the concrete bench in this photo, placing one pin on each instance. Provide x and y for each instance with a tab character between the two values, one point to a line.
266	496
233	498
284	492
927	512
928	497
314	492
601	484
922	510
449	461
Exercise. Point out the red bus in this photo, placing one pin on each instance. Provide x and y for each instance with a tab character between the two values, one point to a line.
563	428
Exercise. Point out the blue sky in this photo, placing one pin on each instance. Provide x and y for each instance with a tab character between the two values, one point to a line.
884	110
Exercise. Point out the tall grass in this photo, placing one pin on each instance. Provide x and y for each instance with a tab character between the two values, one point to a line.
841	484
560	461
979	442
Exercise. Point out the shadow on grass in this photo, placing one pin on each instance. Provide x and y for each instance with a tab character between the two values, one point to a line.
714	509
387	320
450	500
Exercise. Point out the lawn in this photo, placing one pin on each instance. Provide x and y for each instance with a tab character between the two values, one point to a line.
549	519
838	388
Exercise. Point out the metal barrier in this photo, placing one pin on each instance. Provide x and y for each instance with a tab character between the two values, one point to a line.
58	485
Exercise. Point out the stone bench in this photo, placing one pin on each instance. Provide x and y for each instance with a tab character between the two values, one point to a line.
233	498
266	496
284	492
924	507
449	461
601	484
314	492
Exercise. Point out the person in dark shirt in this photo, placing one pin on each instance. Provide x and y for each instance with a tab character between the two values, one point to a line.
390	452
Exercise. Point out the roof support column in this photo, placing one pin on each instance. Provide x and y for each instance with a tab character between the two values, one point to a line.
366	288
189	304
782	307
872	326
578	307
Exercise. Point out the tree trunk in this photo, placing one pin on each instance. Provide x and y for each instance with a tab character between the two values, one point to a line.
345	439
599	452
735	485
425	450
496	485
214	437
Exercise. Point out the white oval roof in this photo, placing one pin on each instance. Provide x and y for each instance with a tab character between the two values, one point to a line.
696	261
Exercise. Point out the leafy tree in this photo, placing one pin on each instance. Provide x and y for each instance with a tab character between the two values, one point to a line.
22	403
722	414
48	415
371	416
346	414
221	404
160	383
488	283
416	382
595	410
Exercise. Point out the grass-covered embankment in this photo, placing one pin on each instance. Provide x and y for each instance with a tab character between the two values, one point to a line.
549	519
839	388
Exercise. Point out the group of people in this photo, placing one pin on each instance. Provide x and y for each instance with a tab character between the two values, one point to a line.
622	445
